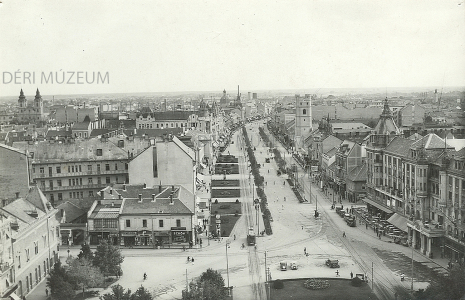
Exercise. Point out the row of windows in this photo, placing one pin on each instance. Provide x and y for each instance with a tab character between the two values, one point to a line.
72	195
159	125
76	182
77	168
160	223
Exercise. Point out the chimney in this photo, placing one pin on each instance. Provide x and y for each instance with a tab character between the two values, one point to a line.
153	197
159	188
140	197
17	195
120	196
171	199
145	185
172	188
124	187
102	193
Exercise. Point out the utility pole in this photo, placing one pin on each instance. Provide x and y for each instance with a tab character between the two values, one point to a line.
372	278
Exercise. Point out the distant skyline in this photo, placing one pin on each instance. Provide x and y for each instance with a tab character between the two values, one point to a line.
175	46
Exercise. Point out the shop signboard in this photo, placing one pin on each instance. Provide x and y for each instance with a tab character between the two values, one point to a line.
179	236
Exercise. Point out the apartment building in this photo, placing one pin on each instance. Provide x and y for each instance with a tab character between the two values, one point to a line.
31	242
76	169
419	186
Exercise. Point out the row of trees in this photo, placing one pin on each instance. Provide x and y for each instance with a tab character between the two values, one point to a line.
88	270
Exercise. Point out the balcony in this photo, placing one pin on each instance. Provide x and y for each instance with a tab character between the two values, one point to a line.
5	266
428	229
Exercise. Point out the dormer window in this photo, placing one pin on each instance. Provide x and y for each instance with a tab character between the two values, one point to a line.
99	152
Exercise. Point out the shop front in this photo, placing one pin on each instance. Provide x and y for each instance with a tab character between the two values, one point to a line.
136	238
180	236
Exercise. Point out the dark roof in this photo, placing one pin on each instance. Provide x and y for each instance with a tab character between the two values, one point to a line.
81	125
58	133
399	146
98	132
72	212
126	124
169	115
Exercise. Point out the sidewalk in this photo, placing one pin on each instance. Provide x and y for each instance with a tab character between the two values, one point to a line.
327	198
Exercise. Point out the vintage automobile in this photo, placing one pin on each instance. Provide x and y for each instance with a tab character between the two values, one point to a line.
283	266
332	263
293	265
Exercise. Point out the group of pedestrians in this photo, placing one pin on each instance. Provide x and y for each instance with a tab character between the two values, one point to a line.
190	259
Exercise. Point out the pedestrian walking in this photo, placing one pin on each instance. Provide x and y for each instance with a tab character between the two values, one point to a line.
351	275
46	293
234	237
305	250
284	199
337	273
266	182
192	261
188	259
302	227
343	234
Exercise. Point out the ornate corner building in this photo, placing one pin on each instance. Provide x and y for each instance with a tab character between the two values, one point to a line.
418	185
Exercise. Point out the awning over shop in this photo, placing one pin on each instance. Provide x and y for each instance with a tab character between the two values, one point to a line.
377	205
398	221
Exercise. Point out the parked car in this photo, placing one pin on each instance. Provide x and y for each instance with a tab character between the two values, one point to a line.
283	266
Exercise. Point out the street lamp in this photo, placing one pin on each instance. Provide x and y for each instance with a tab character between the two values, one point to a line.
227	267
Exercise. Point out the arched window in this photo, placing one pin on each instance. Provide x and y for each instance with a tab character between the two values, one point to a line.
304	111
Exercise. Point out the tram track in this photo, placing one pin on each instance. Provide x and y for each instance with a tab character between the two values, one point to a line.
258	286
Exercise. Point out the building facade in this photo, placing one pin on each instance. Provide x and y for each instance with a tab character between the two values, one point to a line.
35	240
138	215
76	170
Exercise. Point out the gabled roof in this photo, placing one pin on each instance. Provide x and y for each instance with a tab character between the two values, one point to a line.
21	209
431	141
72	212
182	199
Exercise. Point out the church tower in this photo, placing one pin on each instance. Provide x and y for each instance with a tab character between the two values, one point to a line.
38	102
22	100
303	120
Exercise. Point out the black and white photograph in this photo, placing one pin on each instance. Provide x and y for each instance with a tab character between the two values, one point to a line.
219	150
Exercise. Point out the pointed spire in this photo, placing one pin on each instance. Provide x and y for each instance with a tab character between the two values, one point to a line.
37	93
386	110
21	93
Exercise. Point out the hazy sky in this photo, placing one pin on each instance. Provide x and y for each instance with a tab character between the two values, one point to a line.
157	46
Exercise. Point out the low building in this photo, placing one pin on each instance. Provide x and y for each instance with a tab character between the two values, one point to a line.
138	215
